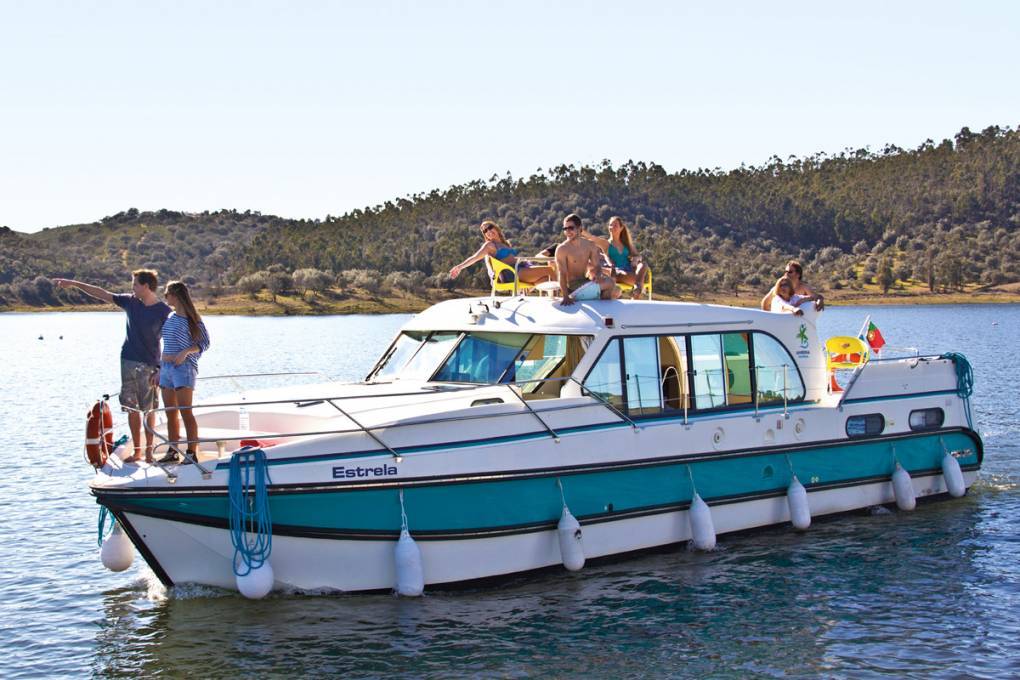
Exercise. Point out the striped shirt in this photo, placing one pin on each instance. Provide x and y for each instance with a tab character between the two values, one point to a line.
177	338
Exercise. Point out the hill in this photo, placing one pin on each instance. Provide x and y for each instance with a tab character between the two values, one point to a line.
941	217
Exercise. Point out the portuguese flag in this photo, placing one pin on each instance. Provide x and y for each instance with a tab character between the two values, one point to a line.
872	335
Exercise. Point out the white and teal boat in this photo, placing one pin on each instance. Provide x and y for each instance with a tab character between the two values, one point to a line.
504	436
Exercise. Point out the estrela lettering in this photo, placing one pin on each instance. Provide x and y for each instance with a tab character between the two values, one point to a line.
343	472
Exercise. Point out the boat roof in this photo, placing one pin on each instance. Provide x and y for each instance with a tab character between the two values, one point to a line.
533	314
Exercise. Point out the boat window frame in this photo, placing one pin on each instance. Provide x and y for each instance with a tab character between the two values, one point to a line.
675	413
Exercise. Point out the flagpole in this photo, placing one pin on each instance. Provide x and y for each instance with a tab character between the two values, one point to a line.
863	333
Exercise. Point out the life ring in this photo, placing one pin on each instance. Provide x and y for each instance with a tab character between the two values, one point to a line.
99	434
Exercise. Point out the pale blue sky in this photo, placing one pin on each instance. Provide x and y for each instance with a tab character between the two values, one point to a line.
304	109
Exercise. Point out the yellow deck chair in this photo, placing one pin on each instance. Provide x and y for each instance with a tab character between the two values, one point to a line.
843	352
627	287
495	267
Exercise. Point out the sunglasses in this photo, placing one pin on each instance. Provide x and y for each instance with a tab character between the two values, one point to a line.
570	228
488	229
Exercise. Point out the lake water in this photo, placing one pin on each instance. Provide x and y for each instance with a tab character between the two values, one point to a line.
935	592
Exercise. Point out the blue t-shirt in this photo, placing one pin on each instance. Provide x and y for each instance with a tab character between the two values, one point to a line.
144	324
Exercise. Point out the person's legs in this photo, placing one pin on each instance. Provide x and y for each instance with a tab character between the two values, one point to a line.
173	425
135	426
536	274
641	276
129	401
184	397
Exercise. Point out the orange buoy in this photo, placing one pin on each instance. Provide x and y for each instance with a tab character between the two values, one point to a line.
99	434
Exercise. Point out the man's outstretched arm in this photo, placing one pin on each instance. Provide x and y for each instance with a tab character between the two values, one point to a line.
87	288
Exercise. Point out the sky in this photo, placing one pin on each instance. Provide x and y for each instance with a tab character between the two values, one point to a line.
304	108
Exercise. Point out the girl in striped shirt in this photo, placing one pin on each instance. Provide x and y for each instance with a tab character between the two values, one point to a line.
184	340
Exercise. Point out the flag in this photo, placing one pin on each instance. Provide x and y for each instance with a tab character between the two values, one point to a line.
873	337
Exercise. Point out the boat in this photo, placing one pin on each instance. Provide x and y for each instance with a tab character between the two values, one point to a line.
500	436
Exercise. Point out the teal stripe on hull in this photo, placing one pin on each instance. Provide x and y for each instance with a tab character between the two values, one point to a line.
490	505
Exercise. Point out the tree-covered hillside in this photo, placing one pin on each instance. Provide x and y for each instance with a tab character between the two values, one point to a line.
944	214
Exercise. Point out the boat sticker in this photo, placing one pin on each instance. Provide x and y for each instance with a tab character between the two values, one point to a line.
344	472
802	336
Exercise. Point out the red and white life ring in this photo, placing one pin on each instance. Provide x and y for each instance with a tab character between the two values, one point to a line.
99	434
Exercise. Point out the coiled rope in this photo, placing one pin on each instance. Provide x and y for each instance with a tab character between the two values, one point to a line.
251	527
104	528
964	381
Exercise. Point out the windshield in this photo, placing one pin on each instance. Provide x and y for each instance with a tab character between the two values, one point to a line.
485	358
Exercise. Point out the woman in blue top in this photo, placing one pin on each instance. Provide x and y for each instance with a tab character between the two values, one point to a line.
497	246
184	340
626	261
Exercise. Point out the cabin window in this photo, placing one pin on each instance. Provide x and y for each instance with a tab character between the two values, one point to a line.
641	365
485	358
776	371
870	425
406	344
737	354
520	358
435	348
604	379
676	391
722	374
927	419
709	384
550	359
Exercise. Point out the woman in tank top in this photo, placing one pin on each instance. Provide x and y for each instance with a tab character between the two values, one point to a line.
626	262
497	246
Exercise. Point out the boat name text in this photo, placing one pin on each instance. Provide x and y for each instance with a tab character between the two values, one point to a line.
343	472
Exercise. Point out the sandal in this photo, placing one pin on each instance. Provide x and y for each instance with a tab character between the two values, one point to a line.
172	456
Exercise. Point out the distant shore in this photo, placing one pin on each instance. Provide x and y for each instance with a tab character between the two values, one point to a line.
360	302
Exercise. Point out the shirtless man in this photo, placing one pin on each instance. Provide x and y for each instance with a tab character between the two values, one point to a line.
577	261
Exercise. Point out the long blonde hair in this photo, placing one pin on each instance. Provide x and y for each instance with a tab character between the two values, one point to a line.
489	224
180	291
624	233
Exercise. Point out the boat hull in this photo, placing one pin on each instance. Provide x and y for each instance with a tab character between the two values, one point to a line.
343	537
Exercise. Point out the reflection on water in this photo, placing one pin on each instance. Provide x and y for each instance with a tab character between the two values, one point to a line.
932	592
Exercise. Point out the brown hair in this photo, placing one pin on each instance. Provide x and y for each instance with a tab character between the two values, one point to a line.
795	266
783	281
489	224
180	291
574	219
624	233
146	277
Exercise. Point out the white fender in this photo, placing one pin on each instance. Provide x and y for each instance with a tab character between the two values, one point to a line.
797	499
953	475
257	583
904	489
410	574
702	528
117	552
571	547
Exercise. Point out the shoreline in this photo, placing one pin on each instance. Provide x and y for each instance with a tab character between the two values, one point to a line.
297	305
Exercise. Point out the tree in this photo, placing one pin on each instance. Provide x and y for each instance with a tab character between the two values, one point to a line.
885	278
279	282
252	283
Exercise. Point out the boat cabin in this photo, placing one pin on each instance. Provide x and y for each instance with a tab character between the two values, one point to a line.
644	358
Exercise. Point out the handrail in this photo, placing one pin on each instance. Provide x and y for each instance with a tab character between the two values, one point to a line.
367	430
604	401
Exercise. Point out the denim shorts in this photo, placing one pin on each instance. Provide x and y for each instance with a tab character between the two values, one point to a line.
174	377
135	390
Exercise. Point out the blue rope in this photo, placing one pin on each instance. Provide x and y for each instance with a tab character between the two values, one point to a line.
964	381
105	528
251	527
